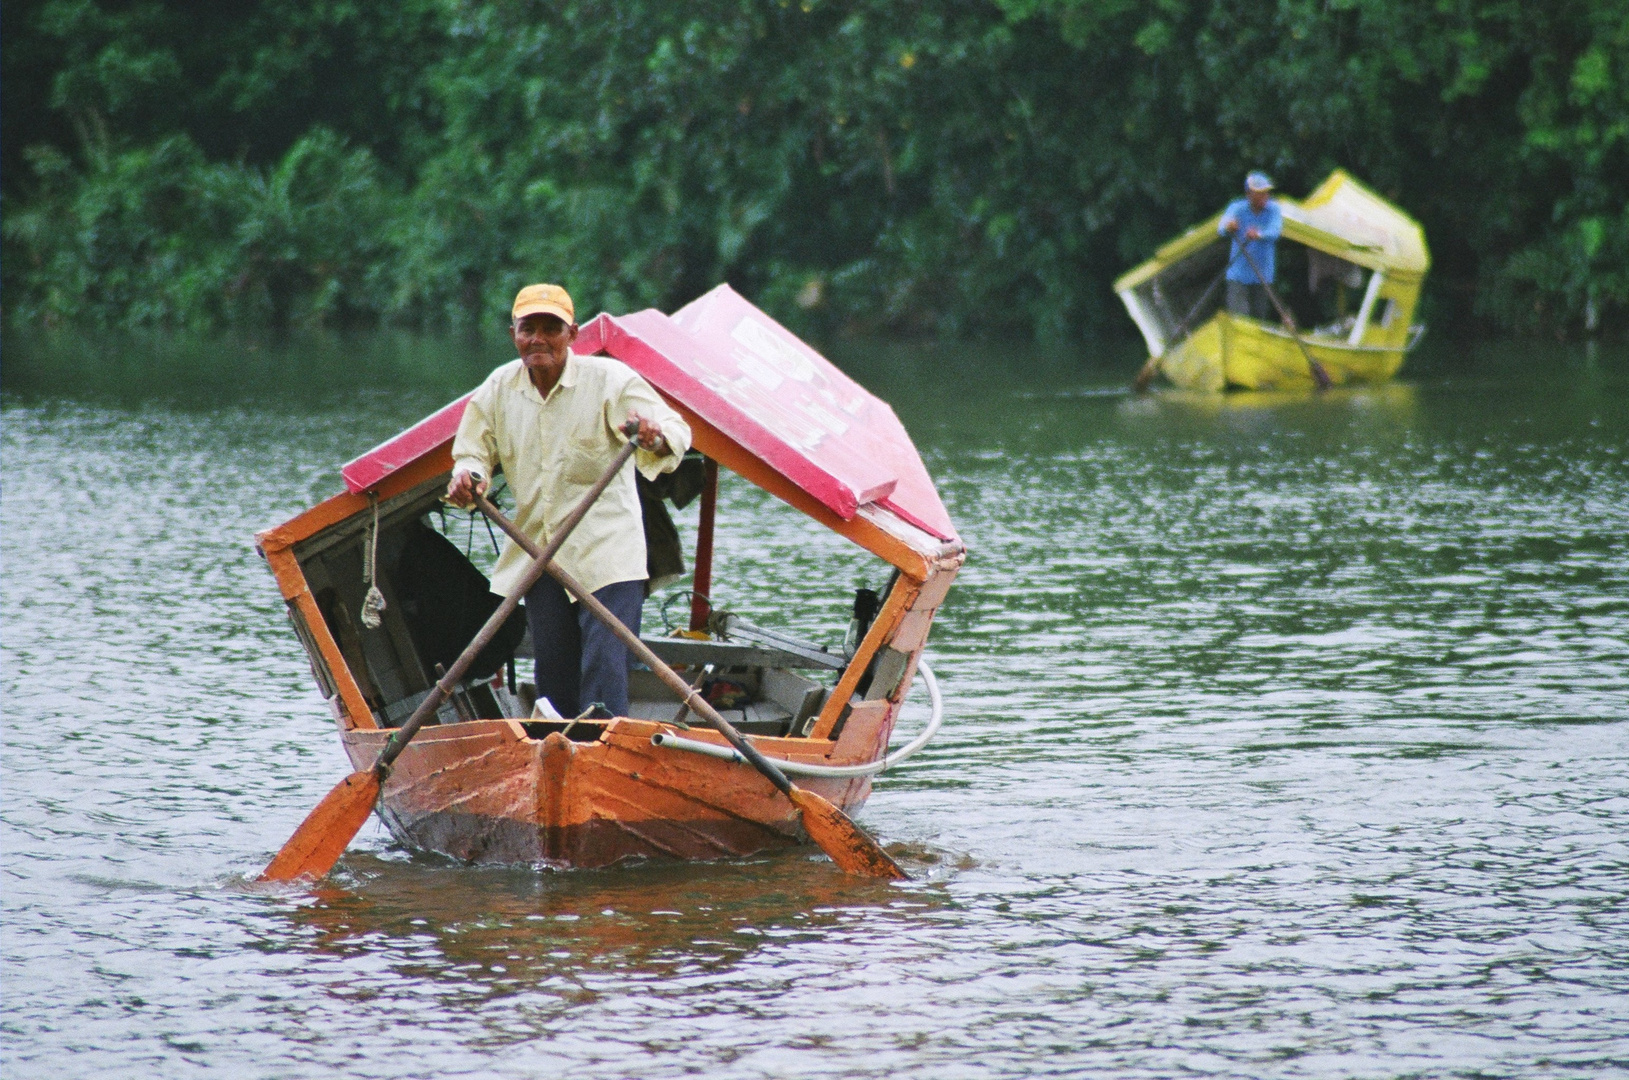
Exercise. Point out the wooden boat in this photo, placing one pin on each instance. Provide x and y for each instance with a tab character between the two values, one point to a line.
1363	261
492	783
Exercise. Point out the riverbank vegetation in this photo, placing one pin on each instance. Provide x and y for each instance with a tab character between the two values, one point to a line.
963	166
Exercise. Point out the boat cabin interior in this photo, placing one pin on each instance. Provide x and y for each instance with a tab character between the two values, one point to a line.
1329	297
427	560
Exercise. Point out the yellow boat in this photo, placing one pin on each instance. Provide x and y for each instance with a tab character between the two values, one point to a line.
1361	260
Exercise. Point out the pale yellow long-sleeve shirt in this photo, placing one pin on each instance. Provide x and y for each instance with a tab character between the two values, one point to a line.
552	450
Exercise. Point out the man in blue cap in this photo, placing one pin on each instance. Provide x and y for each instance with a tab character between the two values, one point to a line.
1255	223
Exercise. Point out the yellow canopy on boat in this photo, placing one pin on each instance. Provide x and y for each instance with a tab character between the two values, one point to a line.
1341	218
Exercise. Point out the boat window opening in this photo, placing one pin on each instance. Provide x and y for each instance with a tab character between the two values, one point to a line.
382	660
434	571
1336	287
435	600
1185	288
444	600
1322	267
777	655
1323	292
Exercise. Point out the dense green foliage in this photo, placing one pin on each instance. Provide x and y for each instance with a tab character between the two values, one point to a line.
956	166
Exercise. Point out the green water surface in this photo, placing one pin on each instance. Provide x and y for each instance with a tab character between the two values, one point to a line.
1285	737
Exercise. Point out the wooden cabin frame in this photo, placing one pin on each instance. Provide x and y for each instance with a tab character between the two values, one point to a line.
508	789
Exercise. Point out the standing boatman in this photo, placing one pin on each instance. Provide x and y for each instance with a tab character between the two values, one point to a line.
550	420
1255	223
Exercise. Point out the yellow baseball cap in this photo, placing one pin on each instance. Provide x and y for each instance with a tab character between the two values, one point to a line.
543	299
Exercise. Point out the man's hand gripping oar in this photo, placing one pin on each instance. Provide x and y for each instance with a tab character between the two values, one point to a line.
843	841
326	832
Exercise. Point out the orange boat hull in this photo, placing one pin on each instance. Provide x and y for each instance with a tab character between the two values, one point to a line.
486	792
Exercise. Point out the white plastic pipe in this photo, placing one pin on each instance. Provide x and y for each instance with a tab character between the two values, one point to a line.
827	772
1365	309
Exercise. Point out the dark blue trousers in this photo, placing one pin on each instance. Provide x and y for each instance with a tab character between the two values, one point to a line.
1249	299
579	660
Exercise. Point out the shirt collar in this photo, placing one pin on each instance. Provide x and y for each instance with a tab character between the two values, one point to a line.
568	378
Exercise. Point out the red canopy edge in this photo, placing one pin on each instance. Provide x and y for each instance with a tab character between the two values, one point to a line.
760	386
401	450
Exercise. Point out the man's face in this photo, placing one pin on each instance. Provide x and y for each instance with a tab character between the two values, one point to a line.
1258	199
542	340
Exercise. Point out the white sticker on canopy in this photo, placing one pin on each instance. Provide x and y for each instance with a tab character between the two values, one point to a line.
755	368
790	428
770	348
832	423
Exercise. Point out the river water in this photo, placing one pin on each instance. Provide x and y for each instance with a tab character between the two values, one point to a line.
1286	737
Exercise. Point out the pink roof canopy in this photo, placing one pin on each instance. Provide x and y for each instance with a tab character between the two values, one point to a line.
758	384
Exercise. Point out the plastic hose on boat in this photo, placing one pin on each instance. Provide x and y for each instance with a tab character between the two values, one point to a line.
827	772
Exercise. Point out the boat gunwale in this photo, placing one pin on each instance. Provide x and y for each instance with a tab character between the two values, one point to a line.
1309	337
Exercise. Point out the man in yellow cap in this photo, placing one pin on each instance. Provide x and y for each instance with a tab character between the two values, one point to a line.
550	420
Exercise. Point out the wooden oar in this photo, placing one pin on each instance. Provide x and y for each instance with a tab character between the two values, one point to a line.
843	841
1150	369
1319	375
326	832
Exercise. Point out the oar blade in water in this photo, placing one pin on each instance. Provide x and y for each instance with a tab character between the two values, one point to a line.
326	832
1146	375
843	841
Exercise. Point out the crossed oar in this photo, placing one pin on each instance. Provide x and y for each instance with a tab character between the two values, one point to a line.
326	832
1319	375
844	842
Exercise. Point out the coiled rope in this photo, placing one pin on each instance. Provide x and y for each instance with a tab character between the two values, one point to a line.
374	602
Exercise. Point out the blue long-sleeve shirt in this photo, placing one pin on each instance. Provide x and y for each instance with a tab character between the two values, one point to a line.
1269	223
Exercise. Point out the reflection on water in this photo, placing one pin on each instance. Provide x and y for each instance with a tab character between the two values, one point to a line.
1285	738
556	928
1391	401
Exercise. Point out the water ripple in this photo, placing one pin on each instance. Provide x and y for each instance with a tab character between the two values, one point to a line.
1285	738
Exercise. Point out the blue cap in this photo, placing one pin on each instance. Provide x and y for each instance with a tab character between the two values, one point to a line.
1258	181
